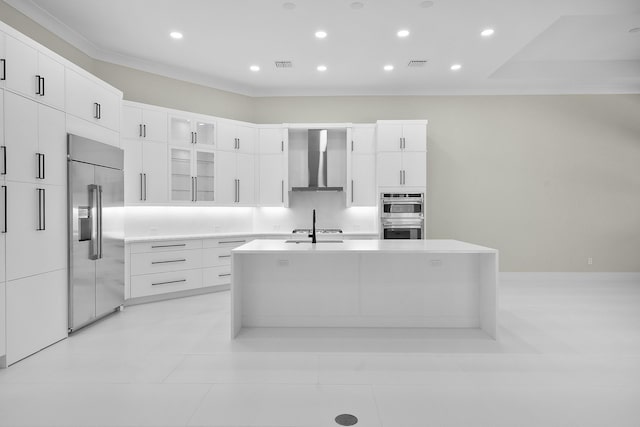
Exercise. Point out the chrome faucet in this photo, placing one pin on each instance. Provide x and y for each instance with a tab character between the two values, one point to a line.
313	232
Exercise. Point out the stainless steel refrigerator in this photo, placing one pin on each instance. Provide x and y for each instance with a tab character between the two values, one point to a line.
96	230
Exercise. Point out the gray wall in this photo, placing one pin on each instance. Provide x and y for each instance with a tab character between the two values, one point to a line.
548	180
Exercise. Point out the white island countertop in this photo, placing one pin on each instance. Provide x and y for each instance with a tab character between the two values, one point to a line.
379	246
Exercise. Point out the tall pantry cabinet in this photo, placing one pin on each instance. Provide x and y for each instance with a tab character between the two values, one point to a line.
34	121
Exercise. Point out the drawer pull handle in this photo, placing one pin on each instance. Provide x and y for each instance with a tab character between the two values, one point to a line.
168	246
165	262
224	274
171	281
224	256
232	241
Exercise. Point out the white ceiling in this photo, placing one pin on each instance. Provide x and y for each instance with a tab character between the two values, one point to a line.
543	46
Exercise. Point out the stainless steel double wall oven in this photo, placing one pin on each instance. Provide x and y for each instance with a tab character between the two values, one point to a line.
402	216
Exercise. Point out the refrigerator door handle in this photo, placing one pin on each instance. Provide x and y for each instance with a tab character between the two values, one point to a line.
93	213
99	221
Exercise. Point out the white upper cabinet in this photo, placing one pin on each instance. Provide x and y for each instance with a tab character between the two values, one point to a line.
272	167
235	177
33	73
192	173
21	67
145	171
35	140
402	136
236	137
363	139
92	101
271	140
3	61
192	130
144	124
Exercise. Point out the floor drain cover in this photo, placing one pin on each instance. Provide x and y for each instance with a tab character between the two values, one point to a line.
346	419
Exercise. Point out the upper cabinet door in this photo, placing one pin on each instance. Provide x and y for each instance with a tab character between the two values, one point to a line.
246	179
21	137
389	167
52	145
154	125
363	180
389	137
154	168
21	67
415	137
226	179
181	131
227	137
131	122
51	85
270	141
3	61
205	133
271	180
246	139
133	179
415	169
363	140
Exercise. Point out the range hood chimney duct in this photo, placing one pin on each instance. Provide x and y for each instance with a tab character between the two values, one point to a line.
317	162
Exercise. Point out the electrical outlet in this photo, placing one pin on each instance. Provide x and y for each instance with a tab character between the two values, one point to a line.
217	228
590	261
436	262
283	263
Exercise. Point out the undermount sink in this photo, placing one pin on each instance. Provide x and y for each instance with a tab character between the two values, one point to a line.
309	241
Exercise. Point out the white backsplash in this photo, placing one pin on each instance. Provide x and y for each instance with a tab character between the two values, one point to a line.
331	212
185	220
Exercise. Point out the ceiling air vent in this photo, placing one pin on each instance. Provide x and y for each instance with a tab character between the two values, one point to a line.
417	63
284	64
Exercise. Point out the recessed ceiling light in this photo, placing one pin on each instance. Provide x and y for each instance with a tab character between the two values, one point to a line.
426	4
176	35
456	67
322	68
254	68
288	5
635	30
487	32
321	34
388	67
403	33
357	5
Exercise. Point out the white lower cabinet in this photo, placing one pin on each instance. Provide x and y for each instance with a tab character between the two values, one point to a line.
36	313
161	283
165	266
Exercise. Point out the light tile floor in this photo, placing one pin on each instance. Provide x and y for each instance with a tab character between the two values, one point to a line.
568	355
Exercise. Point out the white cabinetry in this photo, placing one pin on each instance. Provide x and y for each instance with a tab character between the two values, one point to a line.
167	266
362	188
216	260
273	162
32	73
35	137
235	178
402	154
192	172
185	129
92	101
143	123
236	137
144	140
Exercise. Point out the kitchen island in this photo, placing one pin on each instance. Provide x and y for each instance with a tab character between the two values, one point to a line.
364	283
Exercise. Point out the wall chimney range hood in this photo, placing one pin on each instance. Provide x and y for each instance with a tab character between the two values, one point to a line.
317	162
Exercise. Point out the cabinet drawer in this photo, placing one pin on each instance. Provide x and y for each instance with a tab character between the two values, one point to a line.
213	257
161	283
216	275
225	243
163	246
147	263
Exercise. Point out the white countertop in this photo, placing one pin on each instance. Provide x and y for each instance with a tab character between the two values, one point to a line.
381	246
142	239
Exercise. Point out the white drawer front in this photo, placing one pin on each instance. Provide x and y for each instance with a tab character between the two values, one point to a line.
146	263
167	245
154	284
214	257
216	275
231	242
